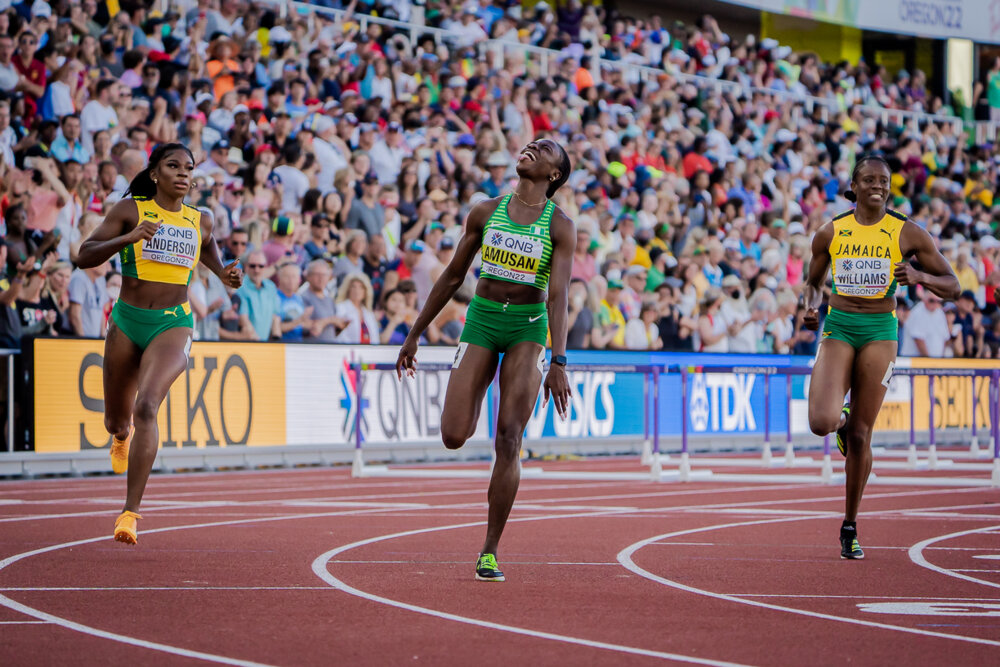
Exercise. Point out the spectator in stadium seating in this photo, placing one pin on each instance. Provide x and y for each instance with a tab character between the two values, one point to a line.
87	297
580	322
355	247
610	330
398	318
641	333
68	145
281	246
325	323
713	330
259	304
354	305
208	297
366	212
927	333
294	314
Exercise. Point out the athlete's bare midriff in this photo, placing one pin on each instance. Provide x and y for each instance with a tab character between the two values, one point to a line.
150	295
505	292
851	304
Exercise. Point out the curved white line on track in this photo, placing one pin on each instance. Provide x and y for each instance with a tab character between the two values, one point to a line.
134	641
319	567
917	556
625	558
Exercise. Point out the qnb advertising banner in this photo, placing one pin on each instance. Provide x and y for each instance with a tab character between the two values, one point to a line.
978	20
322	395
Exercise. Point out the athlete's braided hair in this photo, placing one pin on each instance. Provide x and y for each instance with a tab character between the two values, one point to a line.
864	159
142	185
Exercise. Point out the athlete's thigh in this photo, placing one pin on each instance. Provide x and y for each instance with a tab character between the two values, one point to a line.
470	377
830	378
520	380
165	359
872	372
122	359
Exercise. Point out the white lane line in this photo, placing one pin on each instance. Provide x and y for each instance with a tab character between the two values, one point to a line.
134	641
319	566
625	558
967	570
859	597
457	562
983	556
40	589
24	623
917	556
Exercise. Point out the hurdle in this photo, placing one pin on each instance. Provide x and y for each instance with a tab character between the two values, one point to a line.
360	468
934	461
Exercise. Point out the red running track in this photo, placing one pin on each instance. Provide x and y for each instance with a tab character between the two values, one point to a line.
314	567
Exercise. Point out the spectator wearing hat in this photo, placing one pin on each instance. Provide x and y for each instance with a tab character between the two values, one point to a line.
259	303
496	184
281	246
366	212
388	152
927	333
610	330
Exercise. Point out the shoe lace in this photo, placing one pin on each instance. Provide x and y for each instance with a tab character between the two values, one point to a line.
488	560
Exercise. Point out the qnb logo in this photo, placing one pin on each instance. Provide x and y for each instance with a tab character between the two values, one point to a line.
496	239
848	265
722	403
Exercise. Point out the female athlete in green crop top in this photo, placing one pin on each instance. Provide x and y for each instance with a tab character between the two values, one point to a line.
527	246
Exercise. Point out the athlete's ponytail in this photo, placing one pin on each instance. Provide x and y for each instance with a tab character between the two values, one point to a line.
142	185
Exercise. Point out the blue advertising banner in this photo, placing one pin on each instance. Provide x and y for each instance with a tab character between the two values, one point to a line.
610	403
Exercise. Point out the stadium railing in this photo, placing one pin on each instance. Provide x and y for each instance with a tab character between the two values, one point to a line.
10	354
983	130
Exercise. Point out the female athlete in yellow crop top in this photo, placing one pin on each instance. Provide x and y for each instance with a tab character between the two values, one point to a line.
159	239
869	250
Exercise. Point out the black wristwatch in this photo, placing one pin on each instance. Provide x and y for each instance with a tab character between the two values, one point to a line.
559	359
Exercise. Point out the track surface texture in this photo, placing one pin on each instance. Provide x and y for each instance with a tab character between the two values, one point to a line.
312	567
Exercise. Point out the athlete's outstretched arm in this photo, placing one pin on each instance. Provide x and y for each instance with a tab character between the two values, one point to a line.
448	283
118	230
211	257
937	275
819	264
563	234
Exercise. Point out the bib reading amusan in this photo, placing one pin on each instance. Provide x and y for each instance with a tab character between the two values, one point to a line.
517	253
863	257
170	256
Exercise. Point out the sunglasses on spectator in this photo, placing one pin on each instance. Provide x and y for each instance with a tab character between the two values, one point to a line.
256	266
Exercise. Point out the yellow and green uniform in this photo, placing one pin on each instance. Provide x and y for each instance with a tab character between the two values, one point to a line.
169	257
513	253
863	259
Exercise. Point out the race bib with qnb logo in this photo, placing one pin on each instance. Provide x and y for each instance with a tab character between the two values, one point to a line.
513	257
863	276
172	244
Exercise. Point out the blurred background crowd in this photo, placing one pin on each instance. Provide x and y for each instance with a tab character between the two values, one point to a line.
339	157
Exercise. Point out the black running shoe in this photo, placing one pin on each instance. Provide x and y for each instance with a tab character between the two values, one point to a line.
487	568
849	547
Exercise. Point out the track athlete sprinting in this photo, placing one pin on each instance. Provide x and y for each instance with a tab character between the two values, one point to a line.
159	239
869	249
527	248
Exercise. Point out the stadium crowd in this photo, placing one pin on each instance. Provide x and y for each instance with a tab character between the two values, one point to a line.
339	163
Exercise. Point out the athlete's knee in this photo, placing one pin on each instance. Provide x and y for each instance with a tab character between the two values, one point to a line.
145	410
823	424
453	438
508	440
116	425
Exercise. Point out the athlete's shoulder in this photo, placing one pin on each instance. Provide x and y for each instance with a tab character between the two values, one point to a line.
841	216
486	208
896	214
